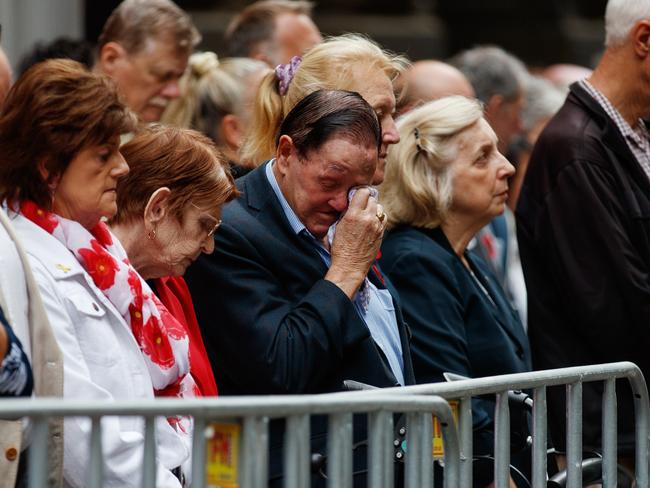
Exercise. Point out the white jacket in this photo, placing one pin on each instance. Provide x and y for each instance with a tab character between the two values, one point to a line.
101	361
21	302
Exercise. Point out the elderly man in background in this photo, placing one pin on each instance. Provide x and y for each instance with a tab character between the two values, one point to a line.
144	48
584	224
428	80
499	80
272	31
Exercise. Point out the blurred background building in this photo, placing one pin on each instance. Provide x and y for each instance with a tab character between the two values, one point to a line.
538	31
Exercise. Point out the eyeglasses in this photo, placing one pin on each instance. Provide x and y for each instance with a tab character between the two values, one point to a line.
211	226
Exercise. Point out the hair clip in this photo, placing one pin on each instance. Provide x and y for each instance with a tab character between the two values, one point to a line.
285	73
416	133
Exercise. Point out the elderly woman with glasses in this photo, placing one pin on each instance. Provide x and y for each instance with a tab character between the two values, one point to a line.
169	206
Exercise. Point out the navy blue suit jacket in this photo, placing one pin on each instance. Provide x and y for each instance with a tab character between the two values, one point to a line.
455	327
270	322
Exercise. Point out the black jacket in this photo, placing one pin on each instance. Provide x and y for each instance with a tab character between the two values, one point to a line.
455	326
583	222
270	322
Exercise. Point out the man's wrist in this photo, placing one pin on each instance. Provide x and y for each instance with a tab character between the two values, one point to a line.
348	282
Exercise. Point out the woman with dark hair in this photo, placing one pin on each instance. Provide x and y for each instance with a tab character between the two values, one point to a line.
60	163
169	207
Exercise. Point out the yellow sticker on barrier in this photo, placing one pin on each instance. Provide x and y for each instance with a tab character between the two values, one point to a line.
438	449
222	455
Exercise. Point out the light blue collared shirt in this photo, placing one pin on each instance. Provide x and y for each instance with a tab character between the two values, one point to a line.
380	317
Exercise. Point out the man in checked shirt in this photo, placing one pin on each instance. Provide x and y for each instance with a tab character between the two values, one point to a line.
583	224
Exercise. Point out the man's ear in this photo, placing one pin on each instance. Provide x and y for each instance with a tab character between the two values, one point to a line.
285	152
110	57
493	106
640	36
157	208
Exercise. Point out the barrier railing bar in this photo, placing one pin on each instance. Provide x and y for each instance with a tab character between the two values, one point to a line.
574	434
272	406
380	449
149	464
387	439
297	452
339	457
38	458
426	444
465	428
609	434
502	441
198	453
539	438
523	381
413	450
233	407
641	415
451	446
96	473
256	448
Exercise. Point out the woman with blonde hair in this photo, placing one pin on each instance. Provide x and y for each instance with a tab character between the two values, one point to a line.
445	180
217	99
348	62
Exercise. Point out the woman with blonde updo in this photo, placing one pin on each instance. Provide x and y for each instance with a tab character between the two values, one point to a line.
445	180
348	62
217	100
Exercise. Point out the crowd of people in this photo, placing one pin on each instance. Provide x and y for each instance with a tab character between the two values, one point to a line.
307	211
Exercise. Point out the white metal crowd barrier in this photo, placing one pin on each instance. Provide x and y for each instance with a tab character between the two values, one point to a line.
538	381
255	412
418	402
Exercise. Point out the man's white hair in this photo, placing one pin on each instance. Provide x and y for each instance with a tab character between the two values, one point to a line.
620	17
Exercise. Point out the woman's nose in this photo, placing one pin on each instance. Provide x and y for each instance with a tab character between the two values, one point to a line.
122	167
507	169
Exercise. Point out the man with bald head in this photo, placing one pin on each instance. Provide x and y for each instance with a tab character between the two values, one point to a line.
430	79
5	76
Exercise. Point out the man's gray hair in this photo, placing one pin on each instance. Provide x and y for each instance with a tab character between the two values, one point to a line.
620	17
543	100
492	71
134	22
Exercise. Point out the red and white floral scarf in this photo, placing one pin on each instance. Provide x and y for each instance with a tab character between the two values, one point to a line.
162	339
